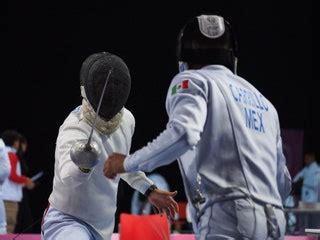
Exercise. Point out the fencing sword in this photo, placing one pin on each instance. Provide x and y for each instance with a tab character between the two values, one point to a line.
85	153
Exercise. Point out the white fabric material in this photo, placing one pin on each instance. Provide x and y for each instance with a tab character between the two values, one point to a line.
4	164
199	130
92	197
60	226
12	191
4	173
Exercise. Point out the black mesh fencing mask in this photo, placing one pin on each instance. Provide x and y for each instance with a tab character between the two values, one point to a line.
93	75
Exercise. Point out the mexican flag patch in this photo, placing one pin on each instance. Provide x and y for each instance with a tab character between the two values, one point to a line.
180	86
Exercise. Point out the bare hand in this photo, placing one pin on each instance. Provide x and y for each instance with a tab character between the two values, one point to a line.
29	184
114	165
164	202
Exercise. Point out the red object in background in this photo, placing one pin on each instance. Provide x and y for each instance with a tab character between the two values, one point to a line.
146	227
182	210
14	177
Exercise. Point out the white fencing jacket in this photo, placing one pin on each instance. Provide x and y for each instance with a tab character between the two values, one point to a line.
92	197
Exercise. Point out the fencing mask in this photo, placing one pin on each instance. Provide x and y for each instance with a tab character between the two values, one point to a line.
207	39
94	72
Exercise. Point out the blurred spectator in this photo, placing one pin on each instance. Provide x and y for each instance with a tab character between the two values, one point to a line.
310	192
310	175
24	218
4	173
12	187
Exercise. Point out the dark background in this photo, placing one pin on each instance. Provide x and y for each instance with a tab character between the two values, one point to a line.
45	43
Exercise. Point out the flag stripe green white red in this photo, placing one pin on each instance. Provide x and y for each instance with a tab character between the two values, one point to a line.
179	86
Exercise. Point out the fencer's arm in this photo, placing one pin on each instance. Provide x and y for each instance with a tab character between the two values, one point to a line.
137	180
283	175
187	114
167	147
69	172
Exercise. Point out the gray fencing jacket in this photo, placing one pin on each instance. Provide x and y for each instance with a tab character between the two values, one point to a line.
234	155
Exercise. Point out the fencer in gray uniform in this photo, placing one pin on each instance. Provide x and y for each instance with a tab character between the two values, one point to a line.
226	137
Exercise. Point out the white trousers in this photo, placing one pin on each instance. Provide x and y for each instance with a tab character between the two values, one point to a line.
59	226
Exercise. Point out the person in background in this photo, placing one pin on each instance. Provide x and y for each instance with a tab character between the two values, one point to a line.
24	218
4	173
310	191
12	187
310	175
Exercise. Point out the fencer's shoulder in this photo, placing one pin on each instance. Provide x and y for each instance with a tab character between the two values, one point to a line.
128	116
195	77
186	83
192	75
74	121
7	149
253	89
128	120
127	123
270	105
73	117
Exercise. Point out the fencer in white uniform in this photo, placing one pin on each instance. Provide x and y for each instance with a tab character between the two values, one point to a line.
83	202
226	135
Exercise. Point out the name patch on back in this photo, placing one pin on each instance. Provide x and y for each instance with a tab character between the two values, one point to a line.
254	106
